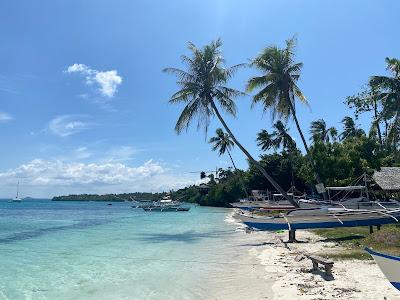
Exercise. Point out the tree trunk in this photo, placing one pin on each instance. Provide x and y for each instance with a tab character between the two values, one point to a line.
240	177
309	157
378	128
251	159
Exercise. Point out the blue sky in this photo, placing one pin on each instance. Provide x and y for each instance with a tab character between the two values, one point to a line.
83	101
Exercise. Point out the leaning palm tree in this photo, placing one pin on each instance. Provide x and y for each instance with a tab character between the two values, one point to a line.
202	88
278	88
223	143
320	132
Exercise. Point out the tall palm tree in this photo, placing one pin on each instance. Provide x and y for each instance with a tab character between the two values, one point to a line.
223	143
320	132
202	88
278	88
389	94
350	129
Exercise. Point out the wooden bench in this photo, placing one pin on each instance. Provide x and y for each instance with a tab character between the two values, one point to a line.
317	260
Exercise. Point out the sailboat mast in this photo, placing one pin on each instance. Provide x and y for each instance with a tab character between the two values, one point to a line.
17	189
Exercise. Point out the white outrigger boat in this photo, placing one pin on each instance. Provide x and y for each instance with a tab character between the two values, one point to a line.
389	265
166	204
321	218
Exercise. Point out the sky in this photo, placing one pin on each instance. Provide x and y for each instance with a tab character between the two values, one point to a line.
84	102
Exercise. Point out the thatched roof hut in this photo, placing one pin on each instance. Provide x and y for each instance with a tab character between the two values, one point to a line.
388	178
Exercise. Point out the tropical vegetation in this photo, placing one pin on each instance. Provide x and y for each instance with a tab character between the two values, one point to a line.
335	156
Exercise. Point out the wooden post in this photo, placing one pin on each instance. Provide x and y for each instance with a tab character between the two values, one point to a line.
292	236
371	229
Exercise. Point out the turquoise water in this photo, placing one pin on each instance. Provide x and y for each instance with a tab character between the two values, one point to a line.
89	250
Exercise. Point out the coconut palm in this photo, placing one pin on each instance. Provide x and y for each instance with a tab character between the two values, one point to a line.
265	140
203	89
279	138
389	94
223	143
277	86
350	129
320	132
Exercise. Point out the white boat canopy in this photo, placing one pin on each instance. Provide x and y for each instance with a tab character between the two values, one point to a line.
346	188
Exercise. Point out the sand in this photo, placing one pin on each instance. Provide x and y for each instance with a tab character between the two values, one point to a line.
288	278
352	279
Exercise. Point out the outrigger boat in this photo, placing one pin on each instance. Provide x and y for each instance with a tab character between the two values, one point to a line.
166	204
321	218
389	265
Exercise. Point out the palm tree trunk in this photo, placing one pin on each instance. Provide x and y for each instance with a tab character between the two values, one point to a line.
240	177
377	123
309	157
251	159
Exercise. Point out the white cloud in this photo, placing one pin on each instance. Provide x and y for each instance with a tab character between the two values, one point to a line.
5	117
53	177
121	153
69	124
107	82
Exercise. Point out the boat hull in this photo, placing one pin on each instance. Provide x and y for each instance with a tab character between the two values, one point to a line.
389	265
166	209
313	222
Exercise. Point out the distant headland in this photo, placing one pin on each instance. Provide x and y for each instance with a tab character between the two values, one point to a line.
110	197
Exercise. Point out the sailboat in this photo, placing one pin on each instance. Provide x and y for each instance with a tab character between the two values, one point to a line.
17	198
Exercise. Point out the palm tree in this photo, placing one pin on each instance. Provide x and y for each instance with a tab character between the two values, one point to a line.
389	93
223	143
350	129
265	140
202	87
279	138
320	132
278	86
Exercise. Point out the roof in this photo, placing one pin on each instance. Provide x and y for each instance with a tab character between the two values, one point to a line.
388	178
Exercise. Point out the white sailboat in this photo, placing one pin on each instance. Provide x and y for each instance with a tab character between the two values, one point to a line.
17	198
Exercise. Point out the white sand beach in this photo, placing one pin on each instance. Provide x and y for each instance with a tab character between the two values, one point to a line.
353	279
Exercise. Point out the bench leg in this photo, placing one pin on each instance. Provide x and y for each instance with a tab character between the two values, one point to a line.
328	270
378	227
371	229
314	266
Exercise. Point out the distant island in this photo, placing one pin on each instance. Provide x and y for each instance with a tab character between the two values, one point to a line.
111	197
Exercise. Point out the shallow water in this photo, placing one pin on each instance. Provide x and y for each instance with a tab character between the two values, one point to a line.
89	250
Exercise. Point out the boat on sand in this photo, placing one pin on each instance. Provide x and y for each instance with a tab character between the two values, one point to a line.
389	265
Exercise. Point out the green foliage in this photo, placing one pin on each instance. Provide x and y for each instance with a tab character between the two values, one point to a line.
354	239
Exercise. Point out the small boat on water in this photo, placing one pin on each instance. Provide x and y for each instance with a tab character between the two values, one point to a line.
321	218
166	204
17	198
142	203
389	265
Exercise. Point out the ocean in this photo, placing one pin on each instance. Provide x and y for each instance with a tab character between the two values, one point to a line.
90	250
